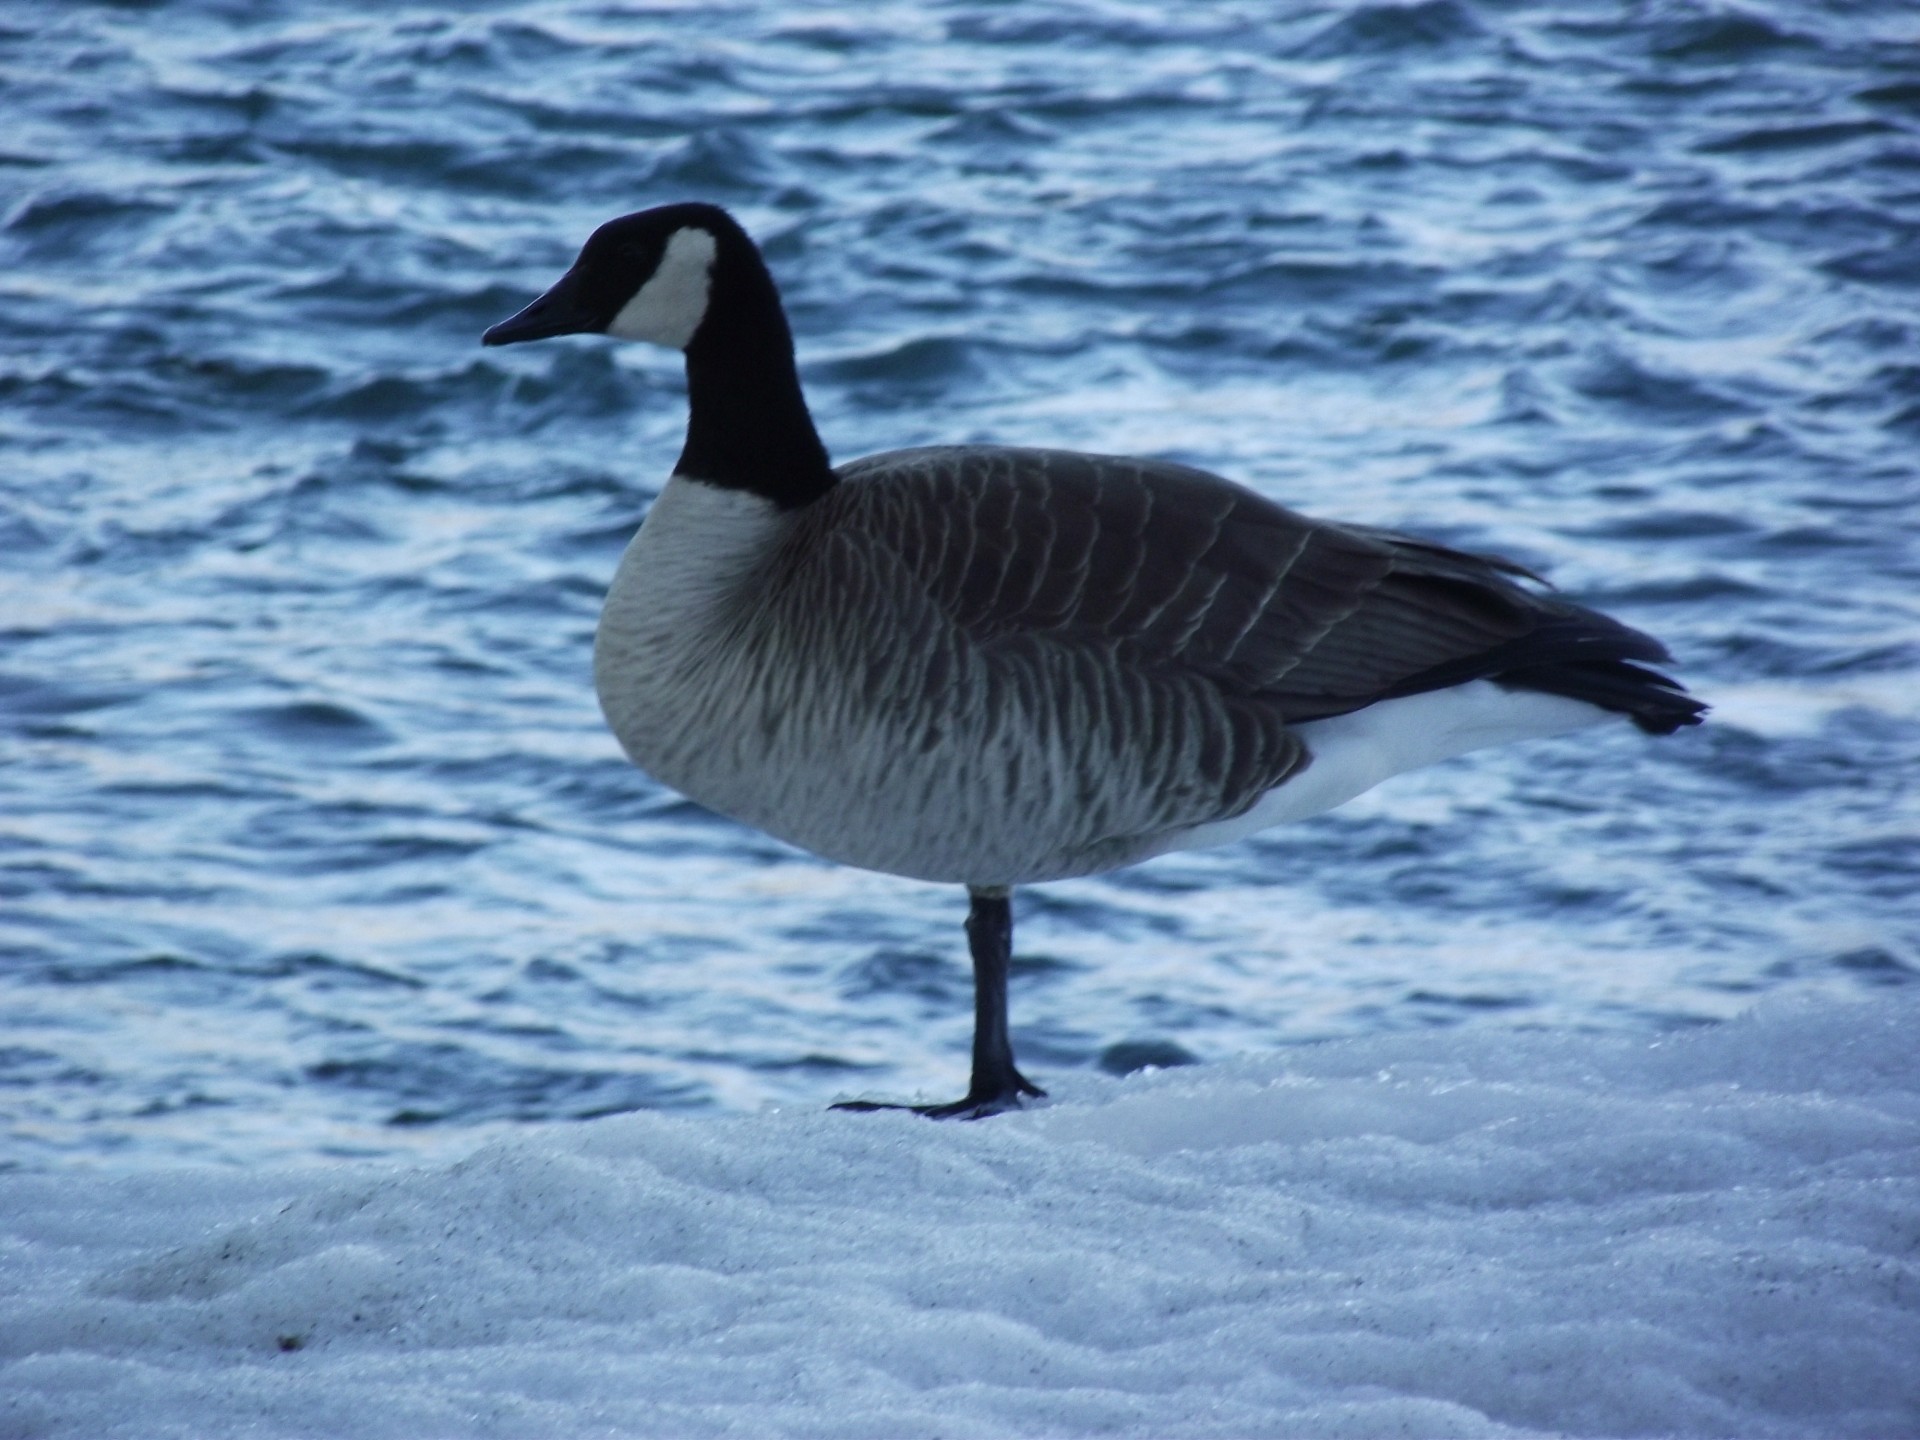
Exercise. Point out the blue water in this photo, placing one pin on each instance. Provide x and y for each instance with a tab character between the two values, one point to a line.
311	840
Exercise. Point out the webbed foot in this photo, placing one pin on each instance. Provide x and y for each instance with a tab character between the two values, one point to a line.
997	1086
975	1106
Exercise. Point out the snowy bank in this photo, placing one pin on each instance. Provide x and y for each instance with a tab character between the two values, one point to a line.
1437	1234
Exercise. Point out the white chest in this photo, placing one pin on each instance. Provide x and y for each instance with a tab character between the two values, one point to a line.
790	689
664	643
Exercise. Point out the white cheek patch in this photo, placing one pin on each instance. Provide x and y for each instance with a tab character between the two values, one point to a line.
670	306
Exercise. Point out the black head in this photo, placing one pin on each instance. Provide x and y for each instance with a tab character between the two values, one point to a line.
686	276
647	276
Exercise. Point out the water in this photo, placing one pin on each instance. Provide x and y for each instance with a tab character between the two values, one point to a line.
311	841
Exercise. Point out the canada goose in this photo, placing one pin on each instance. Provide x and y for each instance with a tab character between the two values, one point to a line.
997	666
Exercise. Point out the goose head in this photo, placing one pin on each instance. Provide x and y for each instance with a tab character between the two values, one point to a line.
647	276
688	277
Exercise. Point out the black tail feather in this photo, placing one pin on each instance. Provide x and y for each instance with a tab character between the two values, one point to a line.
1653	701
1583	655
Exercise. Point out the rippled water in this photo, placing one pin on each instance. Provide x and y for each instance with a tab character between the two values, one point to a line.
311	840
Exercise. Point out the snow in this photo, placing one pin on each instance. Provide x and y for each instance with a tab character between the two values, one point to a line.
1445	1233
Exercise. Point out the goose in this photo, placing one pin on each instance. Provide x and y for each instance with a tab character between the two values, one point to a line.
992	666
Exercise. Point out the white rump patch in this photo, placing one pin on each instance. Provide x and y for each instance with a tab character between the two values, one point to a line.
1353	753
670	306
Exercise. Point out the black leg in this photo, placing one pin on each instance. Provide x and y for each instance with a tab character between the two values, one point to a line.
997	1085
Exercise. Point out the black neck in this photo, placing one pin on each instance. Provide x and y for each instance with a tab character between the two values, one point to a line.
747	421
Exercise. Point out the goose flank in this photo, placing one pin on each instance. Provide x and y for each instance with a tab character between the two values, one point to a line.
994	666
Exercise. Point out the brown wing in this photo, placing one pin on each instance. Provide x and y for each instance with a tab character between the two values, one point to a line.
1174	566
1192	622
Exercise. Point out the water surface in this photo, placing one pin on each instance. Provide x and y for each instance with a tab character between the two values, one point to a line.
311	840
